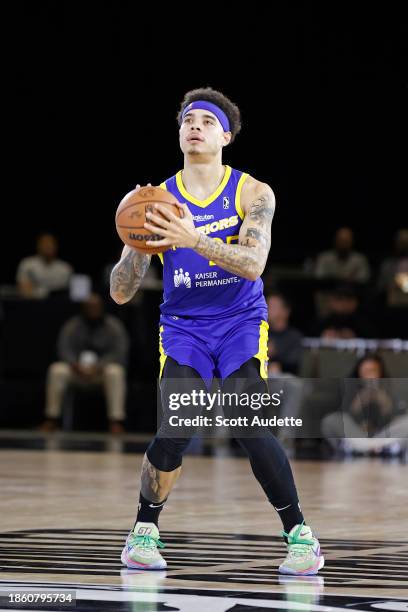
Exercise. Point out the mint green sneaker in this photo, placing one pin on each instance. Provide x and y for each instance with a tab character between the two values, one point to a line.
303	558
140	550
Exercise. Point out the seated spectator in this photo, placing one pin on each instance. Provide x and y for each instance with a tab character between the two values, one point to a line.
92	350
41	274
371	419
341	262
393	275
284	342
343	319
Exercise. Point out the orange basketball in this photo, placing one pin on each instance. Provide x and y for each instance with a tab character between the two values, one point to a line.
131	215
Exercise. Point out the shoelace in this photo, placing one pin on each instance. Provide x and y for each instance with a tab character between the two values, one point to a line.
298	547
145	541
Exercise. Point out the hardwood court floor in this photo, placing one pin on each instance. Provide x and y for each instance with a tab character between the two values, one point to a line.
64	517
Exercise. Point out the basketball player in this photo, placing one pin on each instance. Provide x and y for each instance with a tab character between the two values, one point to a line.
211	327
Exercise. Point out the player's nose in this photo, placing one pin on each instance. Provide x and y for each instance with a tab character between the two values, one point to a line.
194	123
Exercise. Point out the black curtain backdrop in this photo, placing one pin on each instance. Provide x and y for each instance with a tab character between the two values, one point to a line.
94	88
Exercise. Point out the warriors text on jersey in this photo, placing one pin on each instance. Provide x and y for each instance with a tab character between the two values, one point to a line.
195	287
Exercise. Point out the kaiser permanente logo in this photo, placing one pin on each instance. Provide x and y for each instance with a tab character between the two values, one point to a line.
182	278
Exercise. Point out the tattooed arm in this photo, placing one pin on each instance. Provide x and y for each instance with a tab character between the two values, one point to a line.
248	257
127	275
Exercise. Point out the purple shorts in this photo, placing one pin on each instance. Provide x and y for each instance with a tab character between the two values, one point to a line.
215	347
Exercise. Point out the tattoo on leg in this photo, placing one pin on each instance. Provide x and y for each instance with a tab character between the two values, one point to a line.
150	481
155	484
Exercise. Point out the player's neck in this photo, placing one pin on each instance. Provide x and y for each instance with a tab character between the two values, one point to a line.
201	179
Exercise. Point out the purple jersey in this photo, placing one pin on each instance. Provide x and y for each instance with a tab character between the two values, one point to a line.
195	287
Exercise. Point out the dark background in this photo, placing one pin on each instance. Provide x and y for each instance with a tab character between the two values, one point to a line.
95	88
91	93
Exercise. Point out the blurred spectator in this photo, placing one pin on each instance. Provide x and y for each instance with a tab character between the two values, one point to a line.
92	350
393	275
342	263
41	274
343	319
284	342
371	419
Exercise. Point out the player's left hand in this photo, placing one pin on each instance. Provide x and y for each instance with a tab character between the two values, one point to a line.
178	232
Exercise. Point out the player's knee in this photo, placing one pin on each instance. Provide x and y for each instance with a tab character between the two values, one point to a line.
113	370
166	454
59	370
264	450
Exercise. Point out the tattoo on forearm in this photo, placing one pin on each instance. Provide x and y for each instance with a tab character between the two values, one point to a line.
127	275
253	233
247	258
235	258
155	484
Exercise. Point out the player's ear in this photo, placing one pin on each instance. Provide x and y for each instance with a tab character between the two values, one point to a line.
227	138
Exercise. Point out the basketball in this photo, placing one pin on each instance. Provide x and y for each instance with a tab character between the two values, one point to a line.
131	216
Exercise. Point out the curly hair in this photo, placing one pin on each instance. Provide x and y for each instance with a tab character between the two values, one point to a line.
216	97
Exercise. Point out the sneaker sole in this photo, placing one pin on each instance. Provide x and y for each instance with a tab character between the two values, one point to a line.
130	564
312	571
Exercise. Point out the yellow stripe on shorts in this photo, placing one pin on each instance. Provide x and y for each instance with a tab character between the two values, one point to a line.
163	355
262	353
